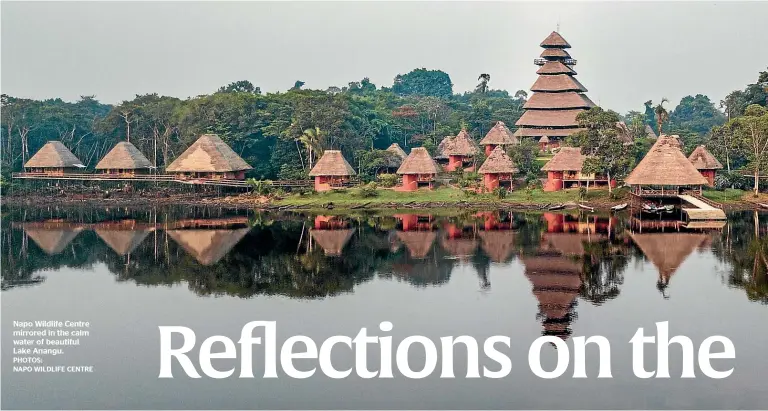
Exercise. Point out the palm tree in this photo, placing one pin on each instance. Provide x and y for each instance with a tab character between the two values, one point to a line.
662	115
483	86
313	140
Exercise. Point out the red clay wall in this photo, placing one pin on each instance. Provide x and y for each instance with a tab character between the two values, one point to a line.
554	181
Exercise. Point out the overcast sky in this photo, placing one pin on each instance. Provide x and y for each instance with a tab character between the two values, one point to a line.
627	52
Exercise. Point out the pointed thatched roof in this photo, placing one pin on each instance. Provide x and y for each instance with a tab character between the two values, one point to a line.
555	67
395	148
332	241
668	251
418	243
332	163
665	165
54	154
208	154
549	118
498	163
418	162
702	159
546	131
558	82
650	133
498	245
555	40
208	246
556	53
544	139
566	100
122	241
460	145
499	135
567	159
52	241
124	156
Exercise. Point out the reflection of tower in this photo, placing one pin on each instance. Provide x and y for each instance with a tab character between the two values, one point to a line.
556	282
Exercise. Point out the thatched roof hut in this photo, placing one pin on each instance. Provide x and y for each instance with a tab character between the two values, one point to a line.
460	145
52	241
555	40
498	245
209	154
123	242
395	148
567	159
418	162
498	163
668	251
124	156
666	165
332	163
418	243
702	159
208	246
331	241
54	154
499	135
555	67
650	133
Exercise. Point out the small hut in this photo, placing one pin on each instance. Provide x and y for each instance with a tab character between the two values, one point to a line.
210	158
125	160
396	155
564	170
331	171
497	170
460	151
543	143
499	135
417	170
664	171
706	163
54	158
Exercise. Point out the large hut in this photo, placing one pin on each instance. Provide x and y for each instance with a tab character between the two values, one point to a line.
396	155
331	171
209	158
499	135
460	151
564	170
54	158
706	163
667	251
498	170
417	170
664	171
557	96
125	160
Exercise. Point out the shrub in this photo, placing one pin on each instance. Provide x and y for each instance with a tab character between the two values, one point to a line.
388	180
500	192
368	191
260	187
734	179
469	192
468	179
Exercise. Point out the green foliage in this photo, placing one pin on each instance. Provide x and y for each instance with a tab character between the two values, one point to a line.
242	86
369	190
500	193
697	114
388	180
606	154
423	82
260	187
467	179
524	156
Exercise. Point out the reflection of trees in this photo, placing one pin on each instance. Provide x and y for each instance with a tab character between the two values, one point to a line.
743	246
603	271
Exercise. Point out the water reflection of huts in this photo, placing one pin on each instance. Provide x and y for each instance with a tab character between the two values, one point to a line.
331	233
668	251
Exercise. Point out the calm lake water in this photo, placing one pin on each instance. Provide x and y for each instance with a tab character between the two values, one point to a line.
467	273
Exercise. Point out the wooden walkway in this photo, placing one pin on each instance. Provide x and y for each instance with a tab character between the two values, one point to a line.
703	210
163	178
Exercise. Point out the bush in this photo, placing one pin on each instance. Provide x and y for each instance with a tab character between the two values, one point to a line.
388	180
260	187
469	192
368	191
468	179
734	179
500	192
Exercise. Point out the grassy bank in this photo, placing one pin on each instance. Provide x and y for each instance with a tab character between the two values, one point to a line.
443	195
734	197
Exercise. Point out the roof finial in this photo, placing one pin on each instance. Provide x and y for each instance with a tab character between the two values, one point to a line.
558	25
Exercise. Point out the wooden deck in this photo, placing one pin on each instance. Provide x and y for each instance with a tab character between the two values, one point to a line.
703	210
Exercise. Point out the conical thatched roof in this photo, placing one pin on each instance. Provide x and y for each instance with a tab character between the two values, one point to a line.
555	40
395	148
499	135
702	159
208	154
668	251
459	247
122	241
665	165
567	159
498	245
650	133
498	163
54	154
332	163
332	241
418	243
52	241
418	162
208	246
460	145
124	156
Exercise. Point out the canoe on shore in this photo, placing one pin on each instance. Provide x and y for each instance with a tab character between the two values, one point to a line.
619	207
556	207
588	208
763	205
